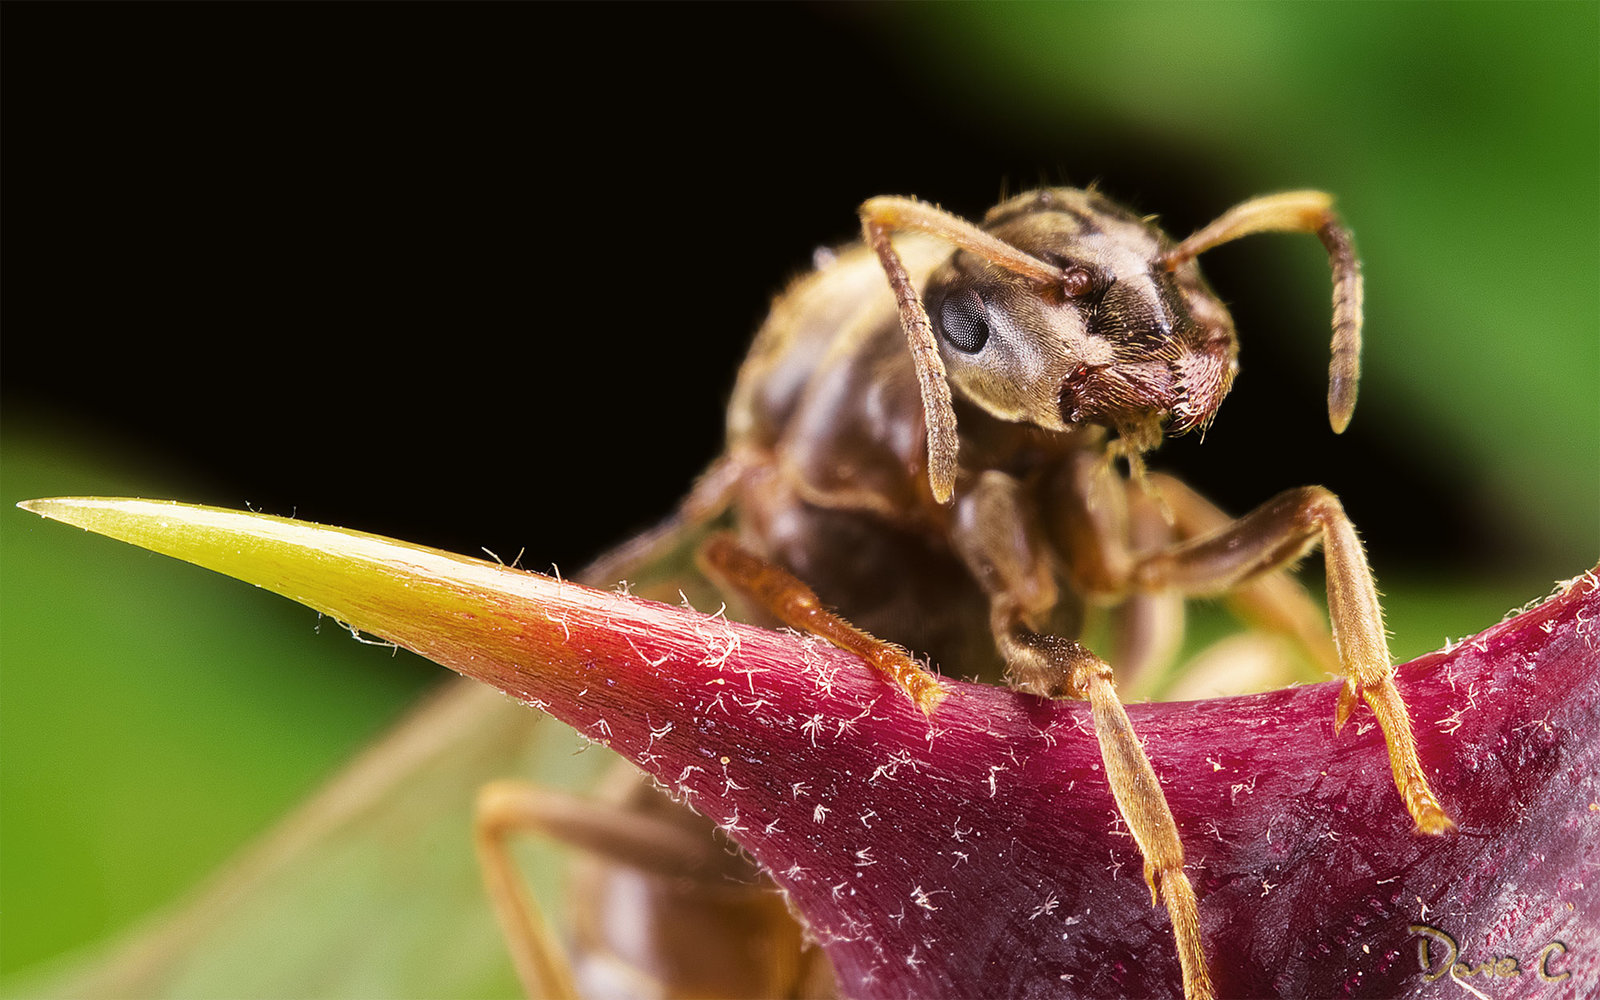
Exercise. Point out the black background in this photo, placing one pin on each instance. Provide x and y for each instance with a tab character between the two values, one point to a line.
482	276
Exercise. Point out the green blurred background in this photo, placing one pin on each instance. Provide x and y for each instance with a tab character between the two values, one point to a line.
481	276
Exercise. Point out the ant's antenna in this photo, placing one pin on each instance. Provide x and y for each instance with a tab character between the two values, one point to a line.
1301	212
880	217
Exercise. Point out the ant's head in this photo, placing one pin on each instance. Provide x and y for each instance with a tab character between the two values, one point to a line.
1064	309
1114	338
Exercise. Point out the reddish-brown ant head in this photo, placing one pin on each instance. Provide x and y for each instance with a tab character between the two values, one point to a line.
1115	339
1065	309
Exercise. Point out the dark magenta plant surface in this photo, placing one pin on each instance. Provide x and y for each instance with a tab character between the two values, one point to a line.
978	853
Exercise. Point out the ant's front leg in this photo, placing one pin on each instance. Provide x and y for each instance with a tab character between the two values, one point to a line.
1273	602
1001	542
1274	535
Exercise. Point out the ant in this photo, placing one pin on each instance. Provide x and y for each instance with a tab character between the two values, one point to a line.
964	496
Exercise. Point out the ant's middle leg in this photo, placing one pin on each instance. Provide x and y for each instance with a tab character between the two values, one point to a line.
779	593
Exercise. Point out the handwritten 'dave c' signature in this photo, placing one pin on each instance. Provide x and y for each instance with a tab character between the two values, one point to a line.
1440	956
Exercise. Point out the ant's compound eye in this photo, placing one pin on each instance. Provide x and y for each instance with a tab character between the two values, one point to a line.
964	322
1077	282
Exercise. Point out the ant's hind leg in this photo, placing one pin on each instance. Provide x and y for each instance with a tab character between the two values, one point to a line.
606	829
504	807
779	593
1146	628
